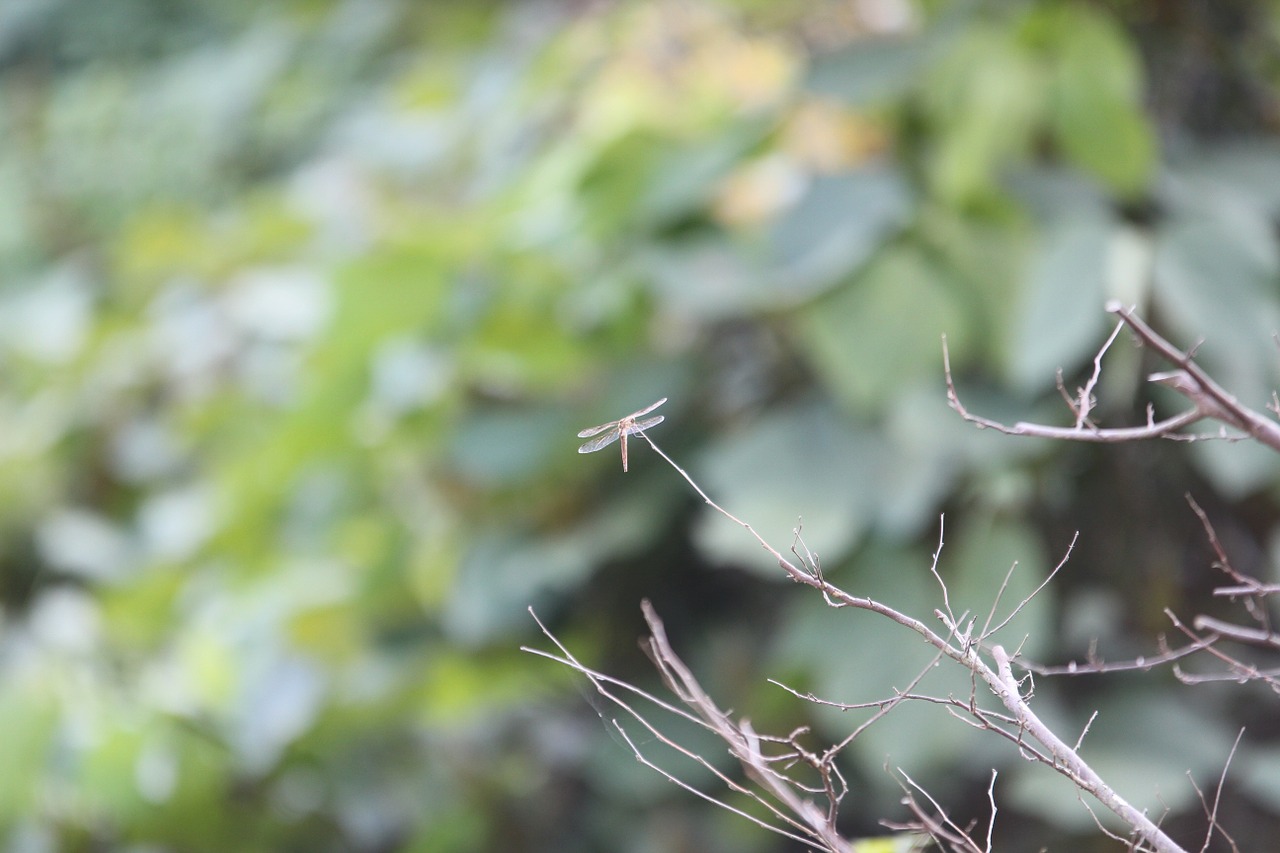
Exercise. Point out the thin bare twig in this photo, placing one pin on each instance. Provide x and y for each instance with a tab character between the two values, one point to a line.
1211	812
1086	401
991	796
602	684
1223	562
1052	574
1094	665
1247	587
933	569
940	828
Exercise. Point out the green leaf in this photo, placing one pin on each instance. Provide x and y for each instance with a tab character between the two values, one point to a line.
1245	169
870	70
841	221
1096	111
710	277
883	331
644	179
987	262
502	447
28	721
984	100
1061	320
928	449
501	575
505	571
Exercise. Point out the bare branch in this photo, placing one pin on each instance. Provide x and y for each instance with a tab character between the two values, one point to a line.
1154	429
1252	588
999	680
1231	631
1200	383
1248	588
1070	763
769	761
1209	399
1094	665
1237	670
742	740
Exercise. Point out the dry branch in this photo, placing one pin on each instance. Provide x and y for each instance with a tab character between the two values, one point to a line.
806	809
792	802
1210	401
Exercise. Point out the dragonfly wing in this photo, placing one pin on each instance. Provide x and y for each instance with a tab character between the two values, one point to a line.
647	409
603	441
590	431
645	424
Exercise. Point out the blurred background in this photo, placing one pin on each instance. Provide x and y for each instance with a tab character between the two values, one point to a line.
303	303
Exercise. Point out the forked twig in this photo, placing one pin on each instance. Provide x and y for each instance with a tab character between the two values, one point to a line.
1210	401
938	824
1083	432
1237	670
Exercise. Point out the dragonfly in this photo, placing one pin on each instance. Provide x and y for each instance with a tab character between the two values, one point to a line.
607	434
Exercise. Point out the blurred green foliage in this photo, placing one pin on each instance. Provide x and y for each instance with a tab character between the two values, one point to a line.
303	303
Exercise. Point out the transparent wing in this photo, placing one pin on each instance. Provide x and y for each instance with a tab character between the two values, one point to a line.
590	431
644	424
603	441
646	410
